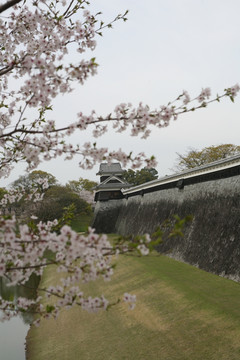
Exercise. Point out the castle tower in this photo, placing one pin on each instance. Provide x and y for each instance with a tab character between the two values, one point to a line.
111	182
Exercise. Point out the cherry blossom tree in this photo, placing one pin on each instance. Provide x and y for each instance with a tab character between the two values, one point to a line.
37	38
84	188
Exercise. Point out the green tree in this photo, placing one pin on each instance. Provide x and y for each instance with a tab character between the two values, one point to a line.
81	184
207	155
3	191
27	181
140	176
56	200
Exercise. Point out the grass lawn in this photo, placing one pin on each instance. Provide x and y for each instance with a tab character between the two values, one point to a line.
81	223
182	313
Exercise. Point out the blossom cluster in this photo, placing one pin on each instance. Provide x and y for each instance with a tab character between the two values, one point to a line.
79	258
88	196
130	299
34	194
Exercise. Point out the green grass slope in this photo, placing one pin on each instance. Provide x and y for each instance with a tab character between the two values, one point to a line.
81	223
182	313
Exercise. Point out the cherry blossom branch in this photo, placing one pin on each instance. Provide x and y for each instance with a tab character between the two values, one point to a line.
122	115
68	8
80	267
139	119
109	25
6	69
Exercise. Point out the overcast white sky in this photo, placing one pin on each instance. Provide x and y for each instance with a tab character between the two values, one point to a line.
163	48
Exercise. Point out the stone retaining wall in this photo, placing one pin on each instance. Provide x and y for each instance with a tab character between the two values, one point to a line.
211	241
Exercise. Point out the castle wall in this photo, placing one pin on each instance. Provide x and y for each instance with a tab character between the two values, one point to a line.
211	241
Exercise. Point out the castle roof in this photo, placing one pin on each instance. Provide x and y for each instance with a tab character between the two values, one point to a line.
110	169
112	183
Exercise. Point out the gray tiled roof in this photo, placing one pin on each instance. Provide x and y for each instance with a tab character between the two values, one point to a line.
113	182
214	166
114	168
111	186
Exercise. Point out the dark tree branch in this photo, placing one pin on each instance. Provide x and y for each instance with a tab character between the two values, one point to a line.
8	4
65	13
6	69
